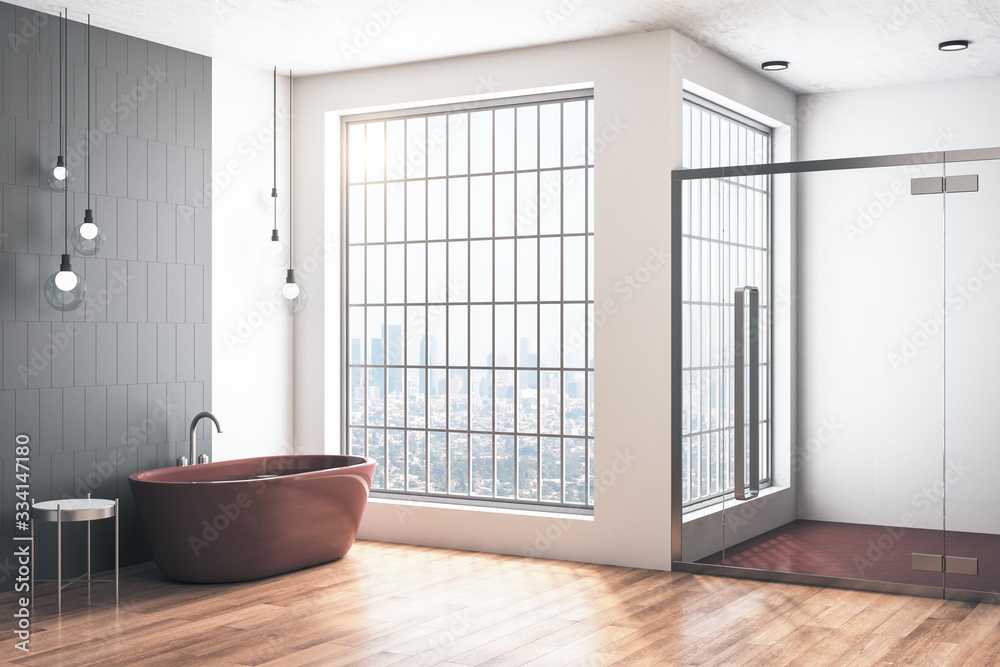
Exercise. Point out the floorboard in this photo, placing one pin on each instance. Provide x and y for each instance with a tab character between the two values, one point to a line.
391	604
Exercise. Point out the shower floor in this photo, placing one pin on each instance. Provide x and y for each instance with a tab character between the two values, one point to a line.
860	551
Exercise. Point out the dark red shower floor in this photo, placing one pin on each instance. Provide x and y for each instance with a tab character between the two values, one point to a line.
858	551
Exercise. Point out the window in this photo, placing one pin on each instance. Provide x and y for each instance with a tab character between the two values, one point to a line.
726	234
469	295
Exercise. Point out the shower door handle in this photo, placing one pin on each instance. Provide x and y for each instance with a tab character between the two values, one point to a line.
743	340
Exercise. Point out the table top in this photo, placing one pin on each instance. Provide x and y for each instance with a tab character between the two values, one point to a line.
73	509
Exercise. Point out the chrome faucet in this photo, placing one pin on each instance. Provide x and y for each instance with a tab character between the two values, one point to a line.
193	439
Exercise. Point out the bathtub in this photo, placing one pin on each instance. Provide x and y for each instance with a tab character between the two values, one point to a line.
251	518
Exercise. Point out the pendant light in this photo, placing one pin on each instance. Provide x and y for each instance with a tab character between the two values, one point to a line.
60	177
88	238
275	253
294	297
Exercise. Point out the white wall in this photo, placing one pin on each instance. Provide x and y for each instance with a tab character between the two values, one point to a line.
251	336
882	462
637	102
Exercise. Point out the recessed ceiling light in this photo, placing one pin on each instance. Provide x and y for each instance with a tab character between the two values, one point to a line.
774	65
954	45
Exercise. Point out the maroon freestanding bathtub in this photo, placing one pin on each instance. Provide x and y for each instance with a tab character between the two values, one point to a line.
251	518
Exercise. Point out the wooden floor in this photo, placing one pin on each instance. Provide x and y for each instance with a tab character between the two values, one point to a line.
388	604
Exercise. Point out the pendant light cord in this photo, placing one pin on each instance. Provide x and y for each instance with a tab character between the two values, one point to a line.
63	47
274	135
88	113
290	197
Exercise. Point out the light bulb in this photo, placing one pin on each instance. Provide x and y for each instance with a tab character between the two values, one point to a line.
88	230
66	280
65	290
60	177
274	253
295	297
88	238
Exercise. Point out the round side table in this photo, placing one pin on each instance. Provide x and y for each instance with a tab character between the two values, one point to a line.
73	509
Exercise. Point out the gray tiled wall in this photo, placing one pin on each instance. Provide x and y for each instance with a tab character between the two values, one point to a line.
107	390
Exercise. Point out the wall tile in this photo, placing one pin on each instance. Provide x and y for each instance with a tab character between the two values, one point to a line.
74	411
128	229
26	164
15	218
156	287
39	221
138	162
28	288
107	353
176	293
40	353
117	160
166	113
7	125
176	178
117	52
156	153
63	359
203	236
185	235
203	120
166	233
50	428
128	353
85	354
126	106
96	404
15	355
15	82
166	352
40	106
104	112
178	415
176	67
203	352
137	292
147	231
117	415
47	265
26	405
147	360
7	277
7	411
194	306
194	177
157	409
185	117
118	289
136	414
106	215
185	352
95	272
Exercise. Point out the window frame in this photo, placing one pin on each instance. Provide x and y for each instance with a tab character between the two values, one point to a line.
767	445
585	95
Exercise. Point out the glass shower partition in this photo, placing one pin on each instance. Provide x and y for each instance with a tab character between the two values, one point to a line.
878	458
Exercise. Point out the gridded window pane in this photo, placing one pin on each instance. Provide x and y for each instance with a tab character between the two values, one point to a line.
725	236
458	267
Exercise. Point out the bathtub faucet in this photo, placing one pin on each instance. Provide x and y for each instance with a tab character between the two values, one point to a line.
194	426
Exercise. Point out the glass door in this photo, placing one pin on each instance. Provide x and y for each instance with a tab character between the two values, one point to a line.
971	310
865	463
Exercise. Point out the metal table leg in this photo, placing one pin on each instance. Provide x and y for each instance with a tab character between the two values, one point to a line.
59	557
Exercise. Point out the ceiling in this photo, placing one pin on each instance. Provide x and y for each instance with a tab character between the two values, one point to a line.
831	44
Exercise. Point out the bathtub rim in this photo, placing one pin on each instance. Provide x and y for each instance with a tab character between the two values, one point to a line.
139	476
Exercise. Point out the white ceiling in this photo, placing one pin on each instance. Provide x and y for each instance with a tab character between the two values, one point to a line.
831	44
